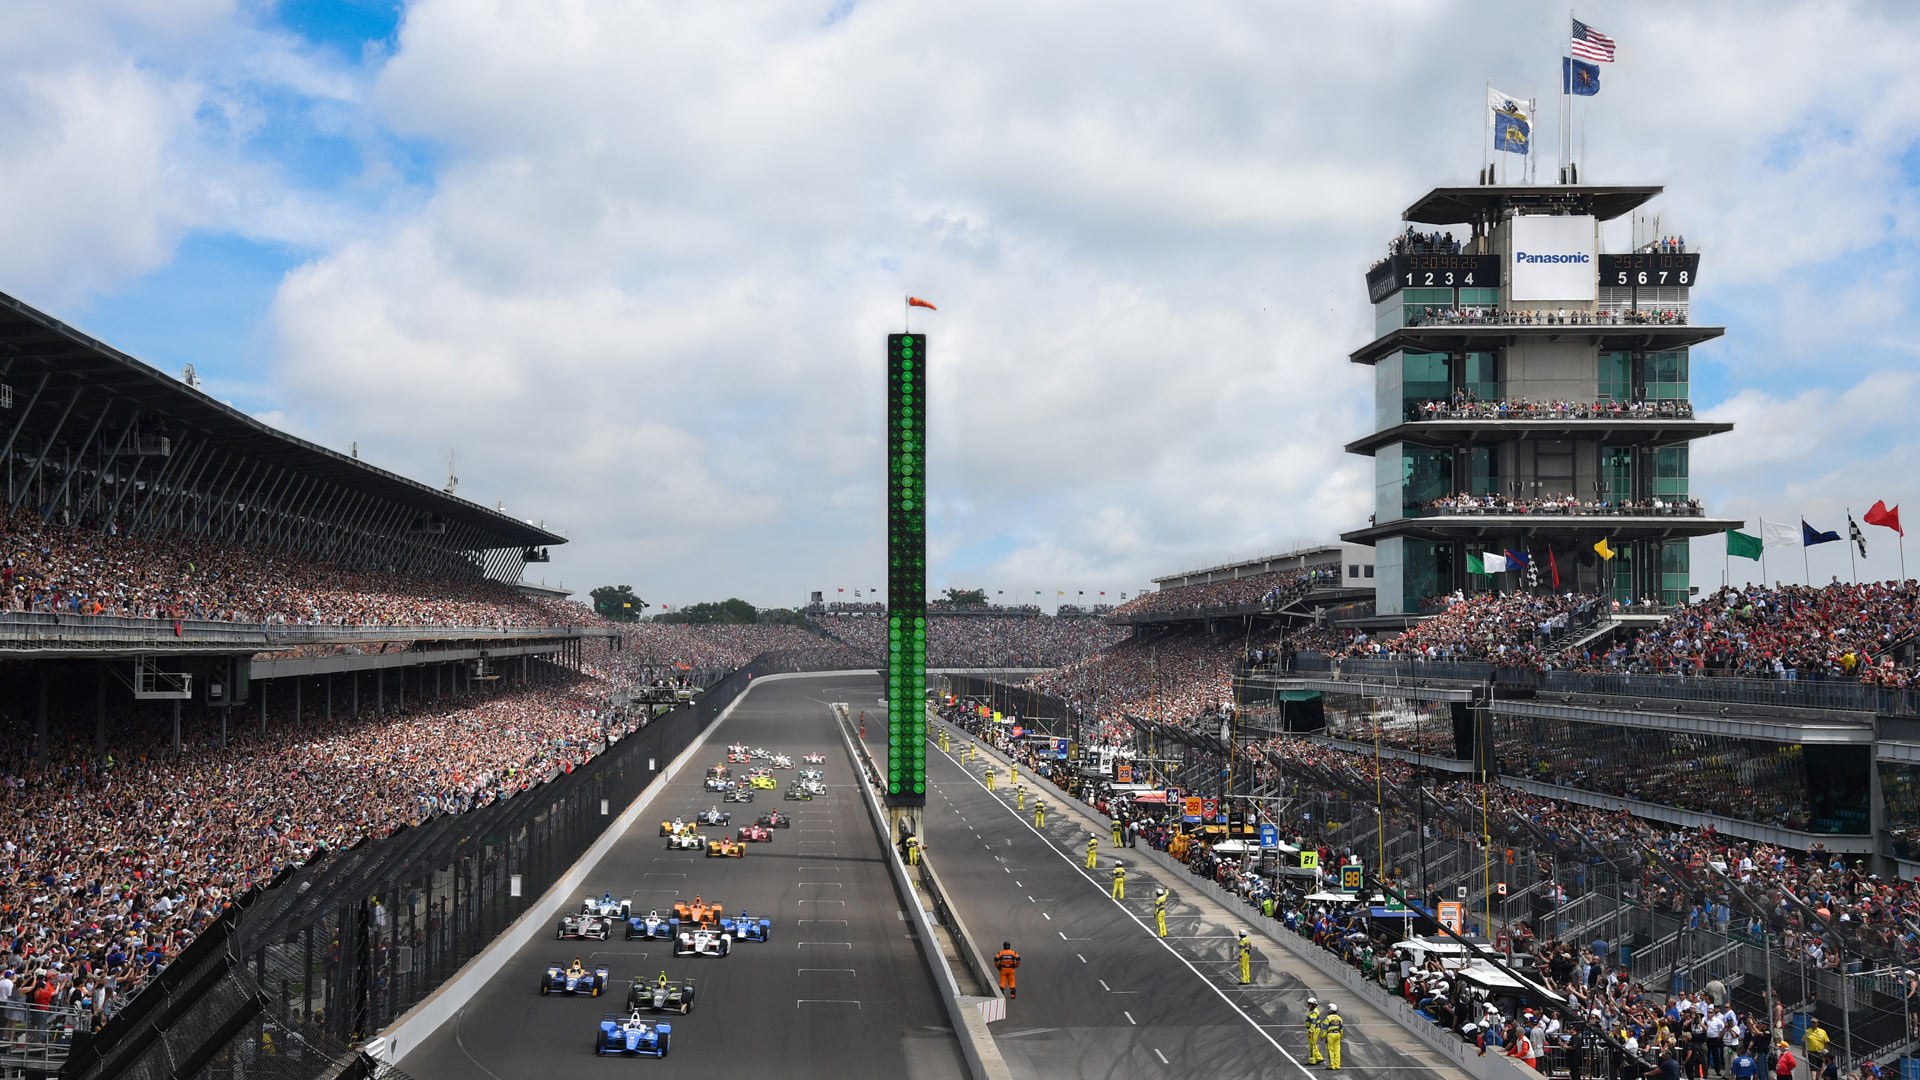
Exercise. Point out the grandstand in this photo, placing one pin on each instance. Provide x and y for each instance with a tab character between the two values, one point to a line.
1271	590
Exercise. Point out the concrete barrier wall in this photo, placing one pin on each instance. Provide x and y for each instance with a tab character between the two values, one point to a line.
969	1023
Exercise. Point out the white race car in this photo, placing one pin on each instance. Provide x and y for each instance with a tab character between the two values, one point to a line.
816	759
781	761
591	927
607	907
812	774
687	841
818	787
701	941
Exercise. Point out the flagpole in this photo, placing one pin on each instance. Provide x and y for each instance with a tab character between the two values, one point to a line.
1852	530
1805	563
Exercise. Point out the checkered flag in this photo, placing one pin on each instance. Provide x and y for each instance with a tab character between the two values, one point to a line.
1853	533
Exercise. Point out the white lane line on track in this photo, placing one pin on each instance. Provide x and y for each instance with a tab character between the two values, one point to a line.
803	971
1104	986
820	901
1046	916
831	944
1130	1018
1082	958
842	922
797	1002
1161	1056
1074	862
822	884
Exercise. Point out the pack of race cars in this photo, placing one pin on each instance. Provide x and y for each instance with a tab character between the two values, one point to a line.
695	928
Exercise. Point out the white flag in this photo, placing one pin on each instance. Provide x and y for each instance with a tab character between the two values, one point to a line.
1498	102
1778	534
1495	564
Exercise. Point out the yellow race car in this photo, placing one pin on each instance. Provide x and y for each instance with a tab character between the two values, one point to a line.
763	782
676	827
725	847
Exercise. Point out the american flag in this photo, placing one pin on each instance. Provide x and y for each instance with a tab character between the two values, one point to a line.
1591	45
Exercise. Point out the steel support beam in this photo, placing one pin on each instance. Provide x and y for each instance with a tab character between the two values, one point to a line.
58	426
111	461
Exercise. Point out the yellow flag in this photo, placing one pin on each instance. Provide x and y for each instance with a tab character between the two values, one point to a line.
1605	551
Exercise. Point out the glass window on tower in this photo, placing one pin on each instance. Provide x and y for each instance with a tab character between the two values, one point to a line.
1423	377
1676	560
1481	379
1667	376
1616	472
1389	404
1670	472
1426	476
1387	483
1406	307
1483	471
1622	564
1616	376
1427	573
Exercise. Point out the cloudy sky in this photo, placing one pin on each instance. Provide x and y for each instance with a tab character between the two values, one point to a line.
632	263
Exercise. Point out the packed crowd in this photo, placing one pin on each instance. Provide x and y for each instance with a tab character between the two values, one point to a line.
1031	641
651	644
1507	628
108	868
1270	590
1475	315
1467	407
49	567
1507	506
1783	631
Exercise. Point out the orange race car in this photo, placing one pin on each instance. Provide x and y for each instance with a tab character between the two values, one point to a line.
725	847
699	912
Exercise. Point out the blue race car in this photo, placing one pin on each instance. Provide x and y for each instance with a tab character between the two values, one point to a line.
632	1035
745	927
651	926
573	980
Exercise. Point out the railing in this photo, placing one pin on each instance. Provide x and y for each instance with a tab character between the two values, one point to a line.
42	1043
1479	316
1839	695
1439	409
1495	506
42	629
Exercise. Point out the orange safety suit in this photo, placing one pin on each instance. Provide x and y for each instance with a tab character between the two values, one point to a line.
1006	960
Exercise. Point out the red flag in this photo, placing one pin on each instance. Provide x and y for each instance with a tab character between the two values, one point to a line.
1554	565
914	301
1880	514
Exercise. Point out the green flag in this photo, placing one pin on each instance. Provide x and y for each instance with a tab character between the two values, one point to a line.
1474	565
1742	546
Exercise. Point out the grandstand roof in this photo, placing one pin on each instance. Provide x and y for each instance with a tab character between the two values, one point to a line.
1261	564
98	379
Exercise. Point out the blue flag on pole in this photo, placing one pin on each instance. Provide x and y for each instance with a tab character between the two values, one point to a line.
1810	536
1510	133
1517	558
1579	78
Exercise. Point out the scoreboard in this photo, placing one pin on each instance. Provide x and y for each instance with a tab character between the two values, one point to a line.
1435	271
906	570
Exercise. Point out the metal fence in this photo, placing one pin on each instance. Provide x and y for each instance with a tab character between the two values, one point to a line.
300	973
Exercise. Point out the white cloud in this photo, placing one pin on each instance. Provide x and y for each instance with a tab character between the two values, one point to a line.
645	294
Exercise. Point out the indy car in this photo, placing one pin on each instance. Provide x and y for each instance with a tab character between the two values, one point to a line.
661	995
717	778
586	927
651	927
725	847
755	834
761	753
797	792
702	941
562	980
737	748
686	841
745	927
764	782
633	1035
811	774
742	793
815	787
607	907
713	815
698	912
675	827
781	761
774	819
815	759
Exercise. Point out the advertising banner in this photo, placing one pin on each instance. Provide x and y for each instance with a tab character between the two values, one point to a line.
1552	260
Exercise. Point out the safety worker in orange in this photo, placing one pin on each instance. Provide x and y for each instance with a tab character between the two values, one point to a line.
1007	960
1093	851
1119	881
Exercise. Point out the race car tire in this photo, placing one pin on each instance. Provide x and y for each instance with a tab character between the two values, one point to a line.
665	1042
596	989
545	988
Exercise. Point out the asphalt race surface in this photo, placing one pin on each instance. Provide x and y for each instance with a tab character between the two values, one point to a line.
1099	995
839	989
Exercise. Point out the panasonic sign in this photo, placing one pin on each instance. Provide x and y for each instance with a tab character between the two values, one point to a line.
1552	260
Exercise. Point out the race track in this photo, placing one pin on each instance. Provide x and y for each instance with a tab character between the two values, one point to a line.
839	990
